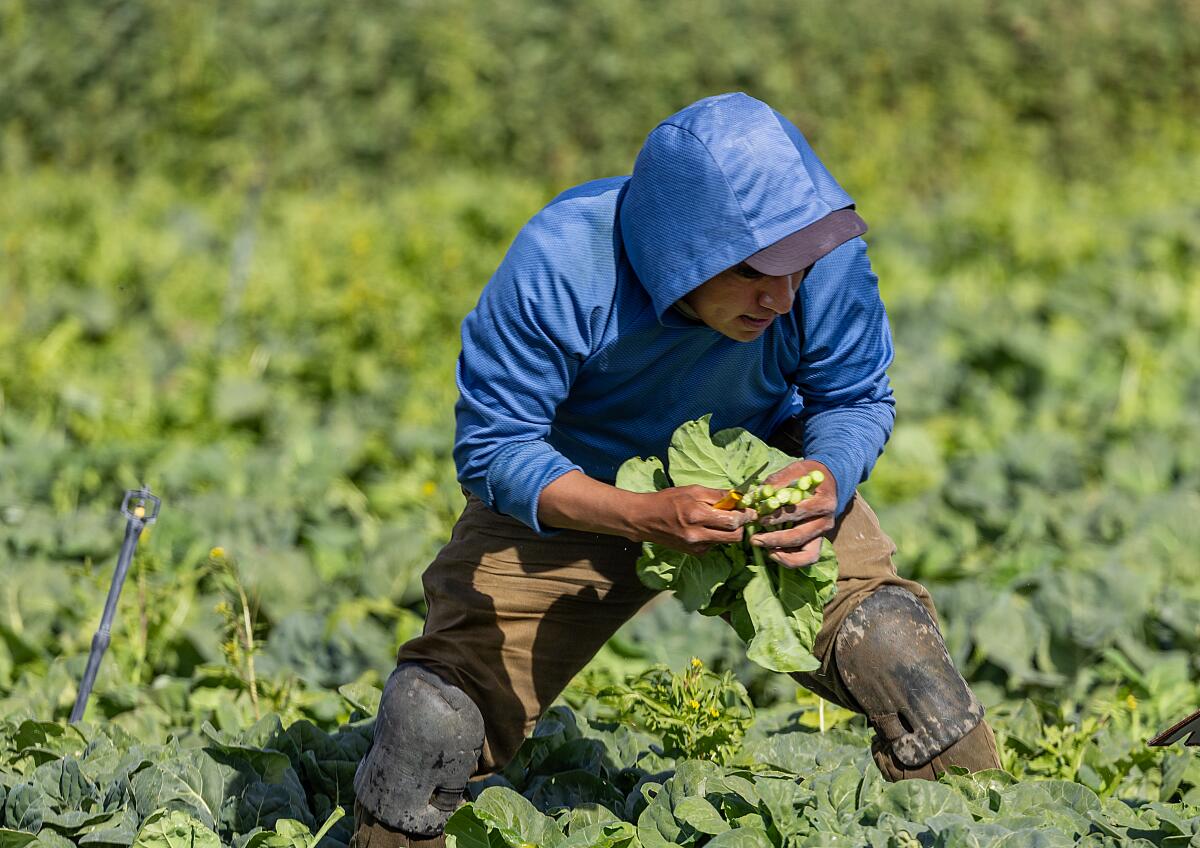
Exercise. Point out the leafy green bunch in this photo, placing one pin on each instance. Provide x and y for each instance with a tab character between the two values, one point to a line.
698	714
766	499
776	611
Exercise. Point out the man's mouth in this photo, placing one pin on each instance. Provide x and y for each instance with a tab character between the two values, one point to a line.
756	323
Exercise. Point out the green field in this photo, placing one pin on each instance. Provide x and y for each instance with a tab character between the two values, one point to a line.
236	243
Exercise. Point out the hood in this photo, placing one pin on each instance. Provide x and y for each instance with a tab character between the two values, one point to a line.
713	184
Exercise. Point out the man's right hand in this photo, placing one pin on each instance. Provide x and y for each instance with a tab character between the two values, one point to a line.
683	518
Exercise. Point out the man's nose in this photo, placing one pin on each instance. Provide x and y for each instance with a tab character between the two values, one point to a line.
778	295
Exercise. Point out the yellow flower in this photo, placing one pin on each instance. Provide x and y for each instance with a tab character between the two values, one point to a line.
428	488
696	663
694	704
217	553
1131	702
714	712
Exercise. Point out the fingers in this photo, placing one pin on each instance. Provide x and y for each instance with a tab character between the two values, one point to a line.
799	557
699	540
819	505
786	475
706	527
793	513
794	537
705	494
726	519
725	537
722	528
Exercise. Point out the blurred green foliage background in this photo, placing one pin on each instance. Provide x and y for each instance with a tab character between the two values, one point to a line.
237	239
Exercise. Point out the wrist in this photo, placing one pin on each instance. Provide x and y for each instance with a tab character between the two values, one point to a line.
630	511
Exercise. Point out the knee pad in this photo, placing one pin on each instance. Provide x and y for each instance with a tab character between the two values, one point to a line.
428	737
892	658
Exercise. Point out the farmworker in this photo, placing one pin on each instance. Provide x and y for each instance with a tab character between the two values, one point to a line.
728	276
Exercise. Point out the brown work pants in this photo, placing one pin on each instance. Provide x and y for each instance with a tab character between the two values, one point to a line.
514	616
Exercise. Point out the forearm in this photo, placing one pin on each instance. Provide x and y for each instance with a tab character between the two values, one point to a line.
575	501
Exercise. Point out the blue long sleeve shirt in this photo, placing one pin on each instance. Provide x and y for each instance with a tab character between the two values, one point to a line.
575	357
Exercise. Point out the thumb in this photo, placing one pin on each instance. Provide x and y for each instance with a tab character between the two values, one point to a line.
784	476
707	494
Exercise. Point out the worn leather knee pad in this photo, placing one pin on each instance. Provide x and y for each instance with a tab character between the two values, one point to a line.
891	657
428	737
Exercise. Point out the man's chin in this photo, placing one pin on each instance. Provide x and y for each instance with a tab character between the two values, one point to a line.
741	334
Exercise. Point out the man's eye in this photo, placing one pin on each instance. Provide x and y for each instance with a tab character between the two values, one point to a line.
746	272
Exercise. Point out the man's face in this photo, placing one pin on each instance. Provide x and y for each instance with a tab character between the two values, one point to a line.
741	303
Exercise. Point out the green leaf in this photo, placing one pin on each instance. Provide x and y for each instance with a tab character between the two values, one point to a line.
603	835
64	783
698	577
743	837
15	838
72	822
719	462
284	836
175	829
186	778
47	740
515	819
568	789
122	829
642	475
587	815
777	641
362	695
916	800
290	833
695	460
48	838
701	815
464	829
25	807
325	763
744	454
658	566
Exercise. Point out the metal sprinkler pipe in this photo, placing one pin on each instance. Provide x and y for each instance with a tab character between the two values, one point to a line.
134	508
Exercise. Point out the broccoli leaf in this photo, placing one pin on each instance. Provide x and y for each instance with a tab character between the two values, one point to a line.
776	611
699	576
642	475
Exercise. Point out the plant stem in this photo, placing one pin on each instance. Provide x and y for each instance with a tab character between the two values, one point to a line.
248	633
755	550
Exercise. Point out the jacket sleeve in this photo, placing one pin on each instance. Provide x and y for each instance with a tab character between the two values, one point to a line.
848	405
522	347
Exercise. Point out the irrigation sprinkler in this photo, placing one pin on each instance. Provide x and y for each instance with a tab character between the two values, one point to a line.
140	508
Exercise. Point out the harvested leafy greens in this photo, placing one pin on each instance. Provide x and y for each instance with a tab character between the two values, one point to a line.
776	611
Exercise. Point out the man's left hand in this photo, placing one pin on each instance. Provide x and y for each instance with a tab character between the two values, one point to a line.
799	546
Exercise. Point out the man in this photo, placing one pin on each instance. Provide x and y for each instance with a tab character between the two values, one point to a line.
726	276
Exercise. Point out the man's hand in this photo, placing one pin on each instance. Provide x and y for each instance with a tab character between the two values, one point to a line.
683	519
801	545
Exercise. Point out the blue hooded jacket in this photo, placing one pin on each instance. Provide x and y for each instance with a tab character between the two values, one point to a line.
574	357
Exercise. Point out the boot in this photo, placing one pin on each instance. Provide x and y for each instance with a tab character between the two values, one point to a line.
369	832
